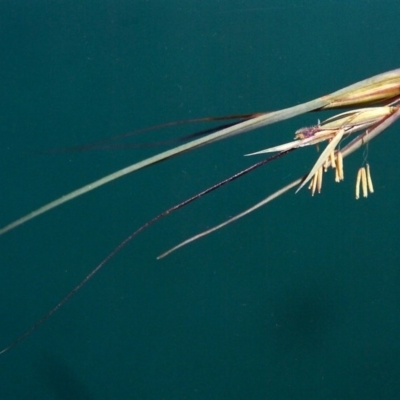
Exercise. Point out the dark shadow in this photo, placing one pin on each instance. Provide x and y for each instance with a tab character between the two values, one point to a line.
62	382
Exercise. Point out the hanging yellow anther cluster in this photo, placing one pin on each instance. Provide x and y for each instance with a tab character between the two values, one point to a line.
335	160
334	130
364	181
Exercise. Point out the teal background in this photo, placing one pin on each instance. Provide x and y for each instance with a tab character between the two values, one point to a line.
299	300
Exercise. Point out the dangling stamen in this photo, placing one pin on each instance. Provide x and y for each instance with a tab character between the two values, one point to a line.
358	181
337	177
364	182
340	165
369	180
332	158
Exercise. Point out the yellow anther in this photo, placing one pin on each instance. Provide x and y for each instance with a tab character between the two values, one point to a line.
320	174
358	180
316	181
364	183
369	180
332	158
340	165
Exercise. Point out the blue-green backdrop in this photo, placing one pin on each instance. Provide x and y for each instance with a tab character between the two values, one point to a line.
299	300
